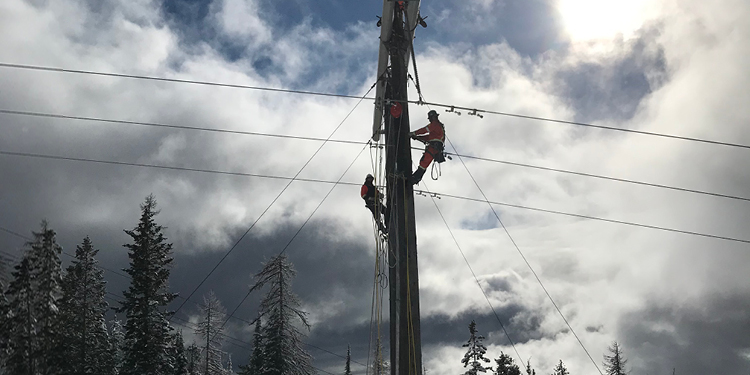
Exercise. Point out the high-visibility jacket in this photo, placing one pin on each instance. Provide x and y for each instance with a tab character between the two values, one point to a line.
433	132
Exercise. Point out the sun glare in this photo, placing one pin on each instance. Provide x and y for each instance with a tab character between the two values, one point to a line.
602	19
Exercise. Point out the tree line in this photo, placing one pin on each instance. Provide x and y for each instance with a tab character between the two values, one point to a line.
54	321
475	360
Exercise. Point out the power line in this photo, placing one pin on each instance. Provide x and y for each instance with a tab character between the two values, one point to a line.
526	261
168	167
229	131
15	258
299	230
274	200
581	216
419	102
173	80
591	175
476	279
167	126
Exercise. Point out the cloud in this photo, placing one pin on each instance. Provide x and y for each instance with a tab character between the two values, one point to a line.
681	73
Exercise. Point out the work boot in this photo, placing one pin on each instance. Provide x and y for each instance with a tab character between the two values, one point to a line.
417	176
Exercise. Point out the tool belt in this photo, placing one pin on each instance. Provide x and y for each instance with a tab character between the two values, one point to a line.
439	154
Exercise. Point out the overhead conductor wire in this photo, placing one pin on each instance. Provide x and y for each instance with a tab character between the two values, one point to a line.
420	102
275	199
273	135
241	174
525	260
14	257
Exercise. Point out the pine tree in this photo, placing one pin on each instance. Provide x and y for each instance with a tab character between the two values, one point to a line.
529	371
117	345
211	329
348	366
21	322
46	273
475	354
560	369
379	365
282	347
84	343
147	329
255	366
193	359
4	315
506	365
178	356
614	363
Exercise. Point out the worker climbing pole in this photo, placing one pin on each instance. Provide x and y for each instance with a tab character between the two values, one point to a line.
391	108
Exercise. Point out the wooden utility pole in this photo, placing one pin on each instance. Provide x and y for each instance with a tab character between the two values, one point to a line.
396	38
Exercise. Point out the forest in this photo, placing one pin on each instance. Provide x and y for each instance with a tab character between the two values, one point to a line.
57	321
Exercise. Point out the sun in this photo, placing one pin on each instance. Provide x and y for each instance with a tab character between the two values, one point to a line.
587	20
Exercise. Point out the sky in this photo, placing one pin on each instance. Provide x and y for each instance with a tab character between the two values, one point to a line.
672	300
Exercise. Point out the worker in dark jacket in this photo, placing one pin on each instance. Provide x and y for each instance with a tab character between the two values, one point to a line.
374	202
433	136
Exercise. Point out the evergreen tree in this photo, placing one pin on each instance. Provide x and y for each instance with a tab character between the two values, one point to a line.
379	365
256	357
46	274
147	329
475	354
560	369
529	371
117	345
84	343
4	315
21	322
348	366
178	355
614	362
282	347
193	359
506	365
211	329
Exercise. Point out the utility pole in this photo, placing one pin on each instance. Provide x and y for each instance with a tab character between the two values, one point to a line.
397	24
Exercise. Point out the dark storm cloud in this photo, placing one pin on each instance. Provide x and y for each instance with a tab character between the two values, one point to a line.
612	88
710	337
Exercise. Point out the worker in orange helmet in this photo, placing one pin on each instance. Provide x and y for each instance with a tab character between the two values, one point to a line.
374	202
433	136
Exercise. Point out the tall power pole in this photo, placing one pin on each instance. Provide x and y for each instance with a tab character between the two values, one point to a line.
397	26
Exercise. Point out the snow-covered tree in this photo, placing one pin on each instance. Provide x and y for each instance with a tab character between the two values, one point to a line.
117	345
614	362
46	274
560	369
348	366
211	330
282	347
147	329
506	365
4	315
529	370
474	356
380	366
84	345
21	322
178	356
255	366
193	359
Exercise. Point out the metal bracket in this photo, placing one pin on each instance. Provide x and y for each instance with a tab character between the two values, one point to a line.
453	110
427	194
475	113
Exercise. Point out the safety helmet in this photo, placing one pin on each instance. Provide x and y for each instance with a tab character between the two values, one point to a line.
369	177
432	114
